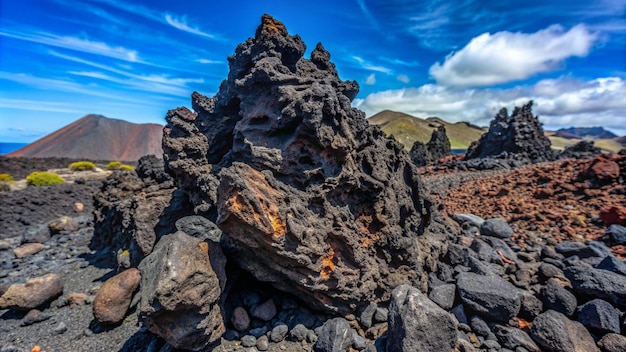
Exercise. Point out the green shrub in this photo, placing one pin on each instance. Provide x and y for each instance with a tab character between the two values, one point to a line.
127	167
6	178
114	165
83	166
43	178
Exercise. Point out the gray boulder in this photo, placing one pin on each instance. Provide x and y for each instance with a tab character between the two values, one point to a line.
336	335
418	324
598	283
615	235
181	284
554	332
599	316
556	297
513	338
489	296
611	263
496	228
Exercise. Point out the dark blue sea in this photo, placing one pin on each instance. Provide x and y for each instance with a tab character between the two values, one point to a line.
458	151
10	147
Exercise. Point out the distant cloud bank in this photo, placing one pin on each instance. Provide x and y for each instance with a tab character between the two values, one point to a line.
558	102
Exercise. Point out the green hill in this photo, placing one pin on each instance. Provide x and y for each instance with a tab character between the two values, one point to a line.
408	129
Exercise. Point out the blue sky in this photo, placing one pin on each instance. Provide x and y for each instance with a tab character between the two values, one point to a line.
460	60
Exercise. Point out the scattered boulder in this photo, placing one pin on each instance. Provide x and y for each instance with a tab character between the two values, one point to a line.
32	294
519	136
181	283
27	249
615	235
614	215
612	343
554	332
437	148
308	195
489	296
556	297
335	335
496	228
418	324
597	283
34	316
613	264
600	316
513	338
63	224
114	297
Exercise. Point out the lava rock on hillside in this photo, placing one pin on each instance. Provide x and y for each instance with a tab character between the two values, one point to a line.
437	148
133	209
519	136
309	196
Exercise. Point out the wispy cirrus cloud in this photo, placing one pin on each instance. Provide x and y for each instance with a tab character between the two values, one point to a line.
73	43
182	24
179	22
504	56
366	65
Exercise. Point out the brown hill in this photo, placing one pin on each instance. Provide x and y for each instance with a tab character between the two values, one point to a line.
96	137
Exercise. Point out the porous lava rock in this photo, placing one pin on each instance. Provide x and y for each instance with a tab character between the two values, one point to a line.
133	209
181	284
309	196
437	148
518	136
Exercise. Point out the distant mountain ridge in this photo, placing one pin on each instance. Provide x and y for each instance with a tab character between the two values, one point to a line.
585	132
97	137
408	129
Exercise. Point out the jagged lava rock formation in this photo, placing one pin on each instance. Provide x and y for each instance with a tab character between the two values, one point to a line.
518	136
309	197
437	147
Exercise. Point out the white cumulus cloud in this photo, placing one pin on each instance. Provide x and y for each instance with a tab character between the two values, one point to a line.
505	56
371	79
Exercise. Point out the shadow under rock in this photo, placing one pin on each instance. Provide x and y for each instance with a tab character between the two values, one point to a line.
100	259
143	340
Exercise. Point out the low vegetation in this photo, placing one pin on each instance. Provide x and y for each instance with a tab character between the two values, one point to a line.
114	165
83	166
6	178
44	178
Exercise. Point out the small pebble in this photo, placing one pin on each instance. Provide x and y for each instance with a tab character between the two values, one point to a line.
248	341
61	328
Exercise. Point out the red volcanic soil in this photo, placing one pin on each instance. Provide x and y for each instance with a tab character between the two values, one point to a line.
96	137
567	200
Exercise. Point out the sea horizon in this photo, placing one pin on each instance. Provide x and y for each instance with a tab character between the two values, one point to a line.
6	148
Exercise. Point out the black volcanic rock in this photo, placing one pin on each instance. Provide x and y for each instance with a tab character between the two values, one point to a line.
309	196
582	149
133	209
437	148
519	136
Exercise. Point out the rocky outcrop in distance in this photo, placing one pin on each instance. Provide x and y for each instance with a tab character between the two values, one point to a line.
437	148
519	137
